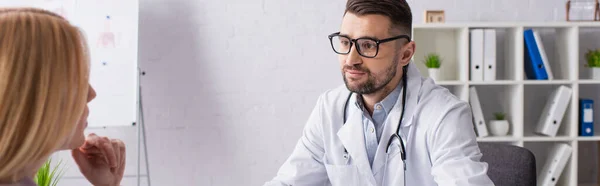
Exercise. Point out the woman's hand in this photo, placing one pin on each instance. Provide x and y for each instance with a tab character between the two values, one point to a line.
101	160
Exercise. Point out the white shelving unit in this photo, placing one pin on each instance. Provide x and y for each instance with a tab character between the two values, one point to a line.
512	93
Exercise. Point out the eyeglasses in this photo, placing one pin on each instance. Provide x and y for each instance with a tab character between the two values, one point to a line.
366	46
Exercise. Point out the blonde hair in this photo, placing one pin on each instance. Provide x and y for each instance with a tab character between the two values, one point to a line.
43	86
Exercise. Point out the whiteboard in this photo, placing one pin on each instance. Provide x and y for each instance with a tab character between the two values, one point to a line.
111	30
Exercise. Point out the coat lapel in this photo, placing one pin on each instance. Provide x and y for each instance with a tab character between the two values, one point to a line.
352	137
391	123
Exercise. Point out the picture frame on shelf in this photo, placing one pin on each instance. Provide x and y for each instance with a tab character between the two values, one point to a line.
435	16
583	10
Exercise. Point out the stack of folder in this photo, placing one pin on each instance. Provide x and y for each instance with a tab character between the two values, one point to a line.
483	54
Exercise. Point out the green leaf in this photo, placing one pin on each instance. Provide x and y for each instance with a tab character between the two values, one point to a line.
593	58
499	115
432	60
49	176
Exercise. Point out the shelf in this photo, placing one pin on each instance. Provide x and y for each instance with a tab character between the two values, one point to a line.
588	138
547	82
520	98
498	139
588	81
546	138
497	82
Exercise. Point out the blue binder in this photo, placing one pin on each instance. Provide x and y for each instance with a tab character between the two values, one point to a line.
534	66
586	117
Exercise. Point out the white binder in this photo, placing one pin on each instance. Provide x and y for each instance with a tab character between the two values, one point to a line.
540	45
558	156
476	54
554	110
489	53
478	119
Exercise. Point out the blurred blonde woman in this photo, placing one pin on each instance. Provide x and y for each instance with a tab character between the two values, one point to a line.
44	91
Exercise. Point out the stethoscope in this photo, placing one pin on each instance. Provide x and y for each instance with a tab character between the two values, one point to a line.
395	135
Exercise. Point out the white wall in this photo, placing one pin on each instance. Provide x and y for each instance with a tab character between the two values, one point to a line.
230	84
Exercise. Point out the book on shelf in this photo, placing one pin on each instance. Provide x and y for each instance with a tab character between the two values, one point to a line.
476	48
554	111
586	117
489	54
536	64
478	119
558	156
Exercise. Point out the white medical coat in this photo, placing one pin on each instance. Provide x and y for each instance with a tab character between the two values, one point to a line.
437	131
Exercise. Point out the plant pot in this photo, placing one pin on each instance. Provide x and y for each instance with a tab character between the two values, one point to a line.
499	127
595	73
434	73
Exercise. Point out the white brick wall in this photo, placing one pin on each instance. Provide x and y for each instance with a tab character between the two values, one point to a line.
230	84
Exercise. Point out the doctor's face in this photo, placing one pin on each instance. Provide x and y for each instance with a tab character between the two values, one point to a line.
365	75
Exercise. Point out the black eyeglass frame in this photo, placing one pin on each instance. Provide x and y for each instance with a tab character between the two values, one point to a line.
353	41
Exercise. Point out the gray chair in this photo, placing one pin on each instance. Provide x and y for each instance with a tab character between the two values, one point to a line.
509	165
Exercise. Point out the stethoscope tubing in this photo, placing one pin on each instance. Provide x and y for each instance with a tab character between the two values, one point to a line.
395	135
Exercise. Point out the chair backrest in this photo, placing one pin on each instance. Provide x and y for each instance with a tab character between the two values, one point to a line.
509	165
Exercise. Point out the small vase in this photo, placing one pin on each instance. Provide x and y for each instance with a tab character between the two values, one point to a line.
434	73
596	73
499	127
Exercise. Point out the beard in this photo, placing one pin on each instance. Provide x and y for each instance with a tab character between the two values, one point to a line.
374	82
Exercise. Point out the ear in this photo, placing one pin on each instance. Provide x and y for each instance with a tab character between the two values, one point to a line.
408	50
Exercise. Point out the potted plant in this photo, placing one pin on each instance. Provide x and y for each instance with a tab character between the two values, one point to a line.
499	126
48	175
593	62
433	63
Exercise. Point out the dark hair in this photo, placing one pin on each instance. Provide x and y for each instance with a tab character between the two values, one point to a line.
397	11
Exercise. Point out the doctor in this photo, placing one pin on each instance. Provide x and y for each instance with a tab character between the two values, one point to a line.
388	125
